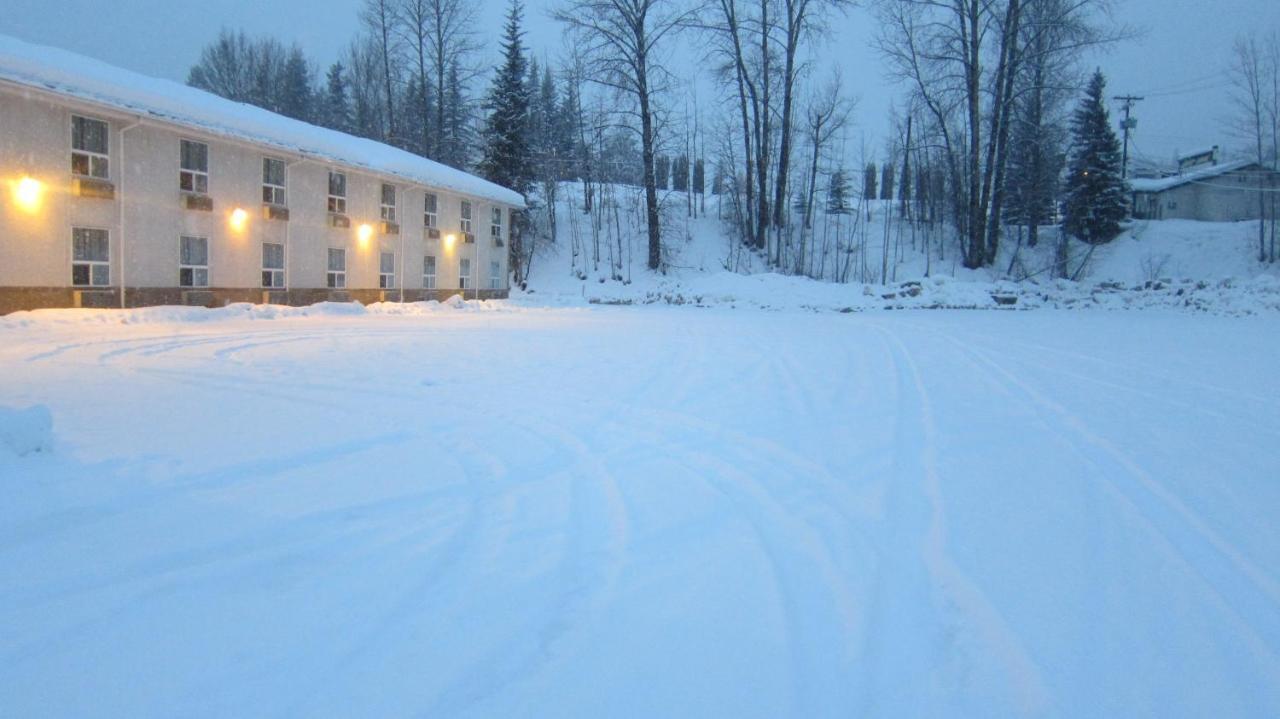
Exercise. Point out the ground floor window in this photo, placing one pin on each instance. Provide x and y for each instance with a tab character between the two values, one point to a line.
90	257
464	273
429	272
495	275
387	270
272	264
337	276
193	262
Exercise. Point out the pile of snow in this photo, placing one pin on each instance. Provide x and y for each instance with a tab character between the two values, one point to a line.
243	311
26	431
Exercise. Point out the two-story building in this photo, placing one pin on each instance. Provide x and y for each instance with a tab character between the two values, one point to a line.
121	190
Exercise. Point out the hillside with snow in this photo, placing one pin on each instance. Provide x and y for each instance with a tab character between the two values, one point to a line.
1169	264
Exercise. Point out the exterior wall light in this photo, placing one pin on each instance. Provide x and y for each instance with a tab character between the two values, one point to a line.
239	218
28	193
364	232
449	239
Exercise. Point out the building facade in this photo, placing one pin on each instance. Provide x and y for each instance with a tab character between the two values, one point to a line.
108	206
1228	192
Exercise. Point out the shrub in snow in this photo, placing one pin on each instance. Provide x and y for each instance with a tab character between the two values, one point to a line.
26	431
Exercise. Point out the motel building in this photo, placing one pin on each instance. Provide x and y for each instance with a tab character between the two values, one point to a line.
121	190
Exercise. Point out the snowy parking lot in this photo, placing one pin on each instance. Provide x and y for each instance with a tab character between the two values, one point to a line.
641	512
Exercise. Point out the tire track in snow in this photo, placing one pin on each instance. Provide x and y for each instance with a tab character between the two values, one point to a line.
921	523
1241	587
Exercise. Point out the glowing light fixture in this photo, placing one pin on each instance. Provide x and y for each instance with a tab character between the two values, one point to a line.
364	232
27	194
239	218
449	239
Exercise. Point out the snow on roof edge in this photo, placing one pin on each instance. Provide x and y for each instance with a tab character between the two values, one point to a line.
66	73
1160	184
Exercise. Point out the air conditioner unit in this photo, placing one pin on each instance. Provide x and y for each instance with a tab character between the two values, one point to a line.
468	237
198	202
336	220
275	212
433	233
89	187
390	228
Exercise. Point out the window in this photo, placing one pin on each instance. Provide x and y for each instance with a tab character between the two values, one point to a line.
272	264
429	272
388	203
337	276
466	217
193	262
89	147
193	172
273	181
90	257
387	270
464	272
337	193
495	226
495	275
429	211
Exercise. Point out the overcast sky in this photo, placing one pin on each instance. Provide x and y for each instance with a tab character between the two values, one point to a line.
1178	63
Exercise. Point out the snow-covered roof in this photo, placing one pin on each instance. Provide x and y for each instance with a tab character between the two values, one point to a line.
1160	184
97	82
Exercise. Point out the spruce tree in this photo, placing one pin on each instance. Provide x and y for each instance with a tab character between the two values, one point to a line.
1095	193
457	132
506	130
295	90
335	107
838	192
869	182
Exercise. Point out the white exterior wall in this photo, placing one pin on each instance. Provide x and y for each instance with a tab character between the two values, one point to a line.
35	247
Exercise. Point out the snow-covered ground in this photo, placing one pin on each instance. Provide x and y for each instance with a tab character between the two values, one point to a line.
621	511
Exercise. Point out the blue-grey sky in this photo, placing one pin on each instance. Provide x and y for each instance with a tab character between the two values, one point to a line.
1178	63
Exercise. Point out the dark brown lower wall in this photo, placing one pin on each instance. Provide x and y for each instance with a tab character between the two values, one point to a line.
13	299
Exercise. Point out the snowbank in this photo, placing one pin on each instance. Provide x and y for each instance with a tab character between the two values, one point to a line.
26	431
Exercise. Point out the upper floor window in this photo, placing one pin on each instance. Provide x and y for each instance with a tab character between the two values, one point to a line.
273	181
193	172
466	217
337	193
495	224
429	211
89	147
90	257
388	203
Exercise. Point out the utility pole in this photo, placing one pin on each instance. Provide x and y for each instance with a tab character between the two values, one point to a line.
1127	124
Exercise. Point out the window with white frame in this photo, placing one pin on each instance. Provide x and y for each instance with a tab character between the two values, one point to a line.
387	270
388	202
273	181
193	261
90	257
89	143
337	275
495	226
429	272
430	211
464	273
337	193
272	264
466	217
495	275
193	167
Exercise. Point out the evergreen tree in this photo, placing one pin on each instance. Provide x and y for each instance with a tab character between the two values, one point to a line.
680	174
295	90
886	181
335	107
1096	193
869	182
662	171
458	129
506	131
838	192
699	176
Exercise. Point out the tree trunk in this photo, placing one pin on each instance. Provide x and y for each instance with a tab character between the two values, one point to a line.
646	142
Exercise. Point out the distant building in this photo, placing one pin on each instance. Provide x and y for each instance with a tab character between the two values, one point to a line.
1204	189
122	190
